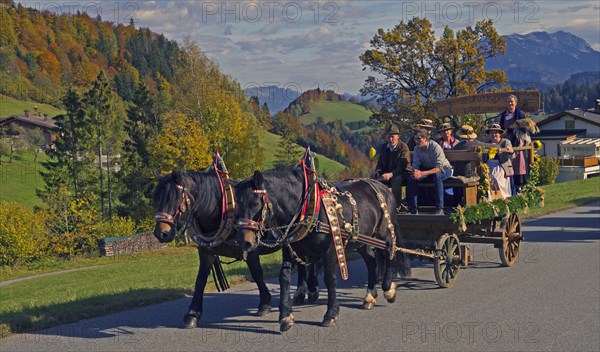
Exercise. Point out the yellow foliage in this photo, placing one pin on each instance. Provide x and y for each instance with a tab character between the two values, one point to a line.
372	153
22	233
181	144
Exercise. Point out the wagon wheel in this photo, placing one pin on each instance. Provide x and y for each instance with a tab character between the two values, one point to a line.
447	261
511	240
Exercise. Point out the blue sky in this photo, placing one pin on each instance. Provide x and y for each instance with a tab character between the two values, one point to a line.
305	44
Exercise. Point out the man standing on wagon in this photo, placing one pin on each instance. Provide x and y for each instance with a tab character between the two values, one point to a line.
429	164
393	166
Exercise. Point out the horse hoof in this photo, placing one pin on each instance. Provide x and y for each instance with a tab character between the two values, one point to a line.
391	299
368	305
299	299
313	296
263	310
190	321
391	294
286	323
329	322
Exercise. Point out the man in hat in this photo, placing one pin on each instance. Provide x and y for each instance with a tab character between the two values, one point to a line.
393	165
447	141
429	164
426	124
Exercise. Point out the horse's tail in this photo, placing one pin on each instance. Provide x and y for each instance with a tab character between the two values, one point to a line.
402	265
219	275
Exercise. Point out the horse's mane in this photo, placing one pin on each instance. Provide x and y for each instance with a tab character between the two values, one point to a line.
206	194
284	172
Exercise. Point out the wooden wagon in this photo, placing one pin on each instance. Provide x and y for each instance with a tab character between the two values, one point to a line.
441	240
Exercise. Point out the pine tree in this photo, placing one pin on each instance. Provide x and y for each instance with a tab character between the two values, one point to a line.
69	159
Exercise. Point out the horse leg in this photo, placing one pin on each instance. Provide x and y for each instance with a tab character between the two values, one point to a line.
330	278
253	262
388	286
370	260
313	282
302	289
286	318
191	318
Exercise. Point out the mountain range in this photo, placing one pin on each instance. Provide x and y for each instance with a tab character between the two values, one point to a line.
540	59
537	60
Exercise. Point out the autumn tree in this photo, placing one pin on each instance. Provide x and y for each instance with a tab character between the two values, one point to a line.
217	104
182	144
287	152
414	69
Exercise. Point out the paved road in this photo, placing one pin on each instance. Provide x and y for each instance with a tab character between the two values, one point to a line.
550	301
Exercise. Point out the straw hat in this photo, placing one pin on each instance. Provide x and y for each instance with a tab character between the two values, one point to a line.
495	127
425	123
444	127
466	132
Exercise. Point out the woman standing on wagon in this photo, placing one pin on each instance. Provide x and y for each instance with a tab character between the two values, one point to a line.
507	118
500	165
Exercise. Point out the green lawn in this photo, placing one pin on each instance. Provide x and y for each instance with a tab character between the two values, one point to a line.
561	196
336	110
10	106
269	144
19	179
118	284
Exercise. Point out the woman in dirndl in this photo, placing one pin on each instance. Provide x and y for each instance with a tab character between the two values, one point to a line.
500	164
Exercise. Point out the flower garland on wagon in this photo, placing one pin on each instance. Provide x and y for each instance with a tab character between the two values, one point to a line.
530	195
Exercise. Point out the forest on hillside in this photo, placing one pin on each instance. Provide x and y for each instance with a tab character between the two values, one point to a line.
42	54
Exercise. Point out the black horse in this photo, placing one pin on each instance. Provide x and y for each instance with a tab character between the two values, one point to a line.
275	198
196	199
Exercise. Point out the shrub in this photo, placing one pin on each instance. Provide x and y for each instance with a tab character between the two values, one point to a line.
115	227
22	234
549	167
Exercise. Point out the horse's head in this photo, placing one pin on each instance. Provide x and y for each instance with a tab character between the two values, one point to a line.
172	203
254	210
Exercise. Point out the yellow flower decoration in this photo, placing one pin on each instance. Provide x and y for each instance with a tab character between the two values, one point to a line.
492	153
537	145
372	153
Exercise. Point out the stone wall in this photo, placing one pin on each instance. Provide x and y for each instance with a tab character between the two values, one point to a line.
131	244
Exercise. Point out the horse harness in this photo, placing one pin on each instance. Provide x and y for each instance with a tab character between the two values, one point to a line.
182	208
317	191
226	225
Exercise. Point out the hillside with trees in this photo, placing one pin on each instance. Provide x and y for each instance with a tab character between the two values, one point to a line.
42	54
131	107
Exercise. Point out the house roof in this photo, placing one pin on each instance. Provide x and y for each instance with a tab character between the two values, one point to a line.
584	115
37	120
582	141
559	134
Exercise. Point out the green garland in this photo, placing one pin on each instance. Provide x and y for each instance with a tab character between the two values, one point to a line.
530	195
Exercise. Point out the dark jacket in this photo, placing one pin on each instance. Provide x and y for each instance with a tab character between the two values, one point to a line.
396	161
519	115
466	168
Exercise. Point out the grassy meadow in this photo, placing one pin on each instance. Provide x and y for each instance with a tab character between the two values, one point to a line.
113	284
10	106
20	179
269	144
338	110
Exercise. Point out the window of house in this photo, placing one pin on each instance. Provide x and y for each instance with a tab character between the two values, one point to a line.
570	124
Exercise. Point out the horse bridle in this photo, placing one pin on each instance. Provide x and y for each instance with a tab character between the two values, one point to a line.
257	226
174	219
